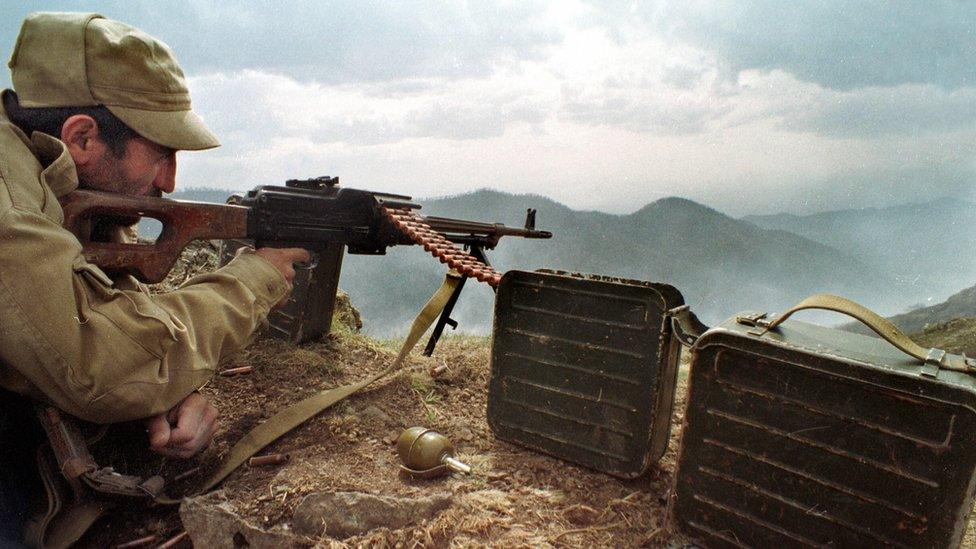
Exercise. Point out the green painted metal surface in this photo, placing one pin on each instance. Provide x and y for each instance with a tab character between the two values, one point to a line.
807	436
584	368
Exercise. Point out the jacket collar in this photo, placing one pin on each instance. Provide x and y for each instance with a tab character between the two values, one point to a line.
59	170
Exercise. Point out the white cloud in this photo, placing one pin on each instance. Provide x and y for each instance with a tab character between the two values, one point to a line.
908	110
251	103
835	43
602	122
750	106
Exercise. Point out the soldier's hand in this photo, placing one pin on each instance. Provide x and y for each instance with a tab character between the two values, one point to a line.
184	430
284	259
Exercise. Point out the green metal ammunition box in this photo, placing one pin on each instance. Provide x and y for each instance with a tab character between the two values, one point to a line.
584	368
805	436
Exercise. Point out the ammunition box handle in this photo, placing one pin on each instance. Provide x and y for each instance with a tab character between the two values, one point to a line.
685	325
876	322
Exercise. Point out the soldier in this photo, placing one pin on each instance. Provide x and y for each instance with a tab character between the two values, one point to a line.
101	105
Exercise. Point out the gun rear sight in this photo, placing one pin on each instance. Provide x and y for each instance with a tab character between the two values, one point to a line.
314	183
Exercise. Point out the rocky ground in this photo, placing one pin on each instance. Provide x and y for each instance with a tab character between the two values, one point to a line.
343	487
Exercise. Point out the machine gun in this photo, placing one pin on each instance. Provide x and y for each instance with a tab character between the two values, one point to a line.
315	214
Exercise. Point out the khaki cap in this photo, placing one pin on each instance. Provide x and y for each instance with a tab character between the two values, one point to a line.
83	60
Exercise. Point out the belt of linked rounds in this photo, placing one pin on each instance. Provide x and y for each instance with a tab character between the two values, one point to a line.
440	247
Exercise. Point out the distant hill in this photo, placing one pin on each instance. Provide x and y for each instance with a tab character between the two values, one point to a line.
203	195
722	265
956	336
927	246
961	304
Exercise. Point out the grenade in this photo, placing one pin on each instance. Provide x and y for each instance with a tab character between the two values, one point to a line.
426	453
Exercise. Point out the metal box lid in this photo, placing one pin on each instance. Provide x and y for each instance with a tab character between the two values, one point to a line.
583	368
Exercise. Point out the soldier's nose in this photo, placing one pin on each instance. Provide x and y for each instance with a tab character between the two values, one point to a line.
166	176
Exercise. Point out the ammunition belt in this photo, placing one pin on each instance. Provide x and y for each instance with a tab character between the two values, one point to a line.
447	252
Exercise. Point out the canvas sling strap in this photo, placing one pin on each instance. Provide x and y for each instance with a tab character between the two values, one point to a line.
293	416
461	264
933	359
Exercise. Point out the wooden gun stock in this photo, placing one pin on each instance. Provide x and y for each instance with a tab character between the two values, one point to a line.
182	222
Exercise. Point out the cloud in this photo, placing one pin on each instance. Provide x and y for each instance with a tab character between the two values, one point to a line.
249	104
642	83
333	41
651	68
748	106
835	43
907	110
848	187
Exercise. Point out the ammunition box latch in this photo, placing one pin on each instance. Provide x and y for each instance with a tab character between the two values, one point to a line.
933	361
760	320
938	359
685	325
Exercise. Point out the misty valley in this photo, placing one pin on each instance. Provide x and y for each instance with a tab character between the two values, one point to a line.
892	260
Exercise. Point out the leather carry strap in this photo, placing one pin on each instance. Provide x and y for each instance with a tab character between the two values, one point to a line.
63	522
293	416
932	360
876	322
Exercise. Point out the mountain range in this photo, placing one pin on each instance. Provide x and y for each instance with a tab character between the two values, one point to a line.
919	319
927	247
888	259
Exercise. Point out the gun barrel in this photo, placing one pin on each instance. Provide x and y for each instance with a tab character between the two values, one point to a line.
476	228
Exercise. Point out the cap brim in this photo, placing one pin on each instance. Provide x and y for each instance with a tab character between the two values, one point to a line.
180	130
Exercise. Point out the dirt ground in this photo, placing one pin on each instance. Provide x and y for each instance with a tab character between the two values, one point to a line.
514	498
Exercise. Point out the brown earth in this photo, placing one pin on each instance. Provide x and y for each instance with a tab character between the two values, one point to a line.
956	336
514	498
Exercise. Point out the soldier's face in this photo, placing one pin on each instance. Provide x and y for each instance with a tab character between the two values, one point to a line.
146	169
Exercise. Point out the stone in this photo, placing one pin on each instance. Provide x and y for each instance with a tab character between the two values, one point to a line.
345	314
344	514
374	413
465	434
214	523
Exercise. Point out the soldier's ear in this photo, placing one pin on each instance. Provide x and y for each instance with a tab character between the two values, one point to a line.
80	134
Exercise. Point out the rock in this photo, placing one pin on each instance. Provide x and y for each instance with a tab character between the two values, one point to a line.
211	522
344	514
374	413
465	434
345	314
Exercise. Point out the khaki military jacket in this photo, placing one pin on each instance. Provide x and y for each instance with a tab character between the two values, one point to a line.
71	337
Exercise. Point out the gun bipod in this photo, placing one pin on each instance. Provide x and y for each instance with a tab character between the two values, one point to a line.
445	318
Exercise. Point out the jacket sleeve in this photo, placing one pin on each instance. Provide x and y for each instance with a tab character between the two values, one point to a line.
106	354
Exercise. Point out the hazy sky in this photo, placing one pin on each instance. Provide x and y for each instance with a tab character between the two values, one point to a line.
748	106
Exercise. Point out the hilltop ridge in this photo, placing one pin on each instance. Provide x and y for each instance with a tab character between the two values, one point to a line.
721	264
